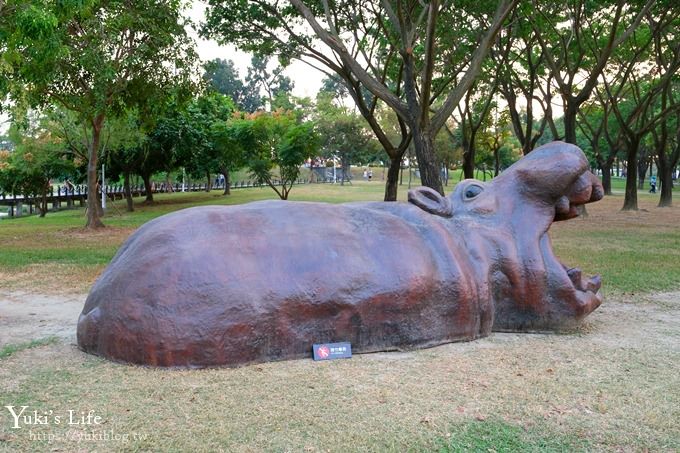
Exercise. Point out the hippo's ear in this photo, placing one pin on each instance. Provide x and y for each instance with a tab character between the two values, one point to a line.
431	201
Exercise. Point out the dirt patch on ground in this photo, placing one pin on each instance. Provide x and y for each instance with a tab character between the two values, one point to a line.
613	384
109	233
25	316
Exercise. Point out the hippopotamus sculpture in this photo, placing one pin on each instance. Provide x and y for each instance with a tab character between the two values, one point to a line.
231	285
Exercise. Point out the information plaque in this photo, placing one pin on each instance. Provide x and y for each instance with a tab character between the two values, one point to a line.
330	351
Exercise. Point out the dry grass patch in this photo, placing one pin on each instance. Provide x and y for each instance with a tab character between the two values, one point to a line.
610	386
51	278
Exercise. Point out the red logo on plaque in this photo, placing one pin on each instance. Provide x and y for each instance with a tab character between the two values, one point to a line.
324	351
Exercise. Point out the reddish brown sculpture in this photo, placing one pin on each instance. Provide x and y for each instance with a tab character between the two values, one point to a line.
229	285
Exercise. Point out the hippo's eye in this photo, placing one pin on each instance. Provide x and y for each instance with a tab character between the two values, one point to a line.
472	192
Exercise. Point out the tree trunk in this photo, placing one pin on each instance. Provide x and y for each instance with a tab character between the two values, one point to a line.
497	161
128	193
606	178
570	125
427	163
208	186
284	192
570	137
42	204
665	176
94	207
392	182
642	167
147	188
469	161
344	163
227	189
630	200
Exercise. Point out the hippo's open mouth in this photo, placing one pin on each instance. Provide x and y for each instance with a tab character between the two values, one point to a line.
568	283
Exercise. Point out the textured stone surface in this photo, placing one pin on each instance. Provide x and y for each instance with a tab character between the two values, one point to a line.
230	285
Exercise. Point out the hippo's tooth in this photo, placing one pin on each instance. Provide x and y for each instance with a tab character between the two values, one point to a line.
576	278
562	206
594	283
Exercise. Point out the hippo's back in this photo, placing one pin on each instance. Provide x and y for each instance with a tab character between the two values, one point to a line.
220	285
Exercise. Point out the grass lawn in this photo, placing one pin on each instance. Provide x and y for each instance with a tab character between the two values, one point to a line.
610	385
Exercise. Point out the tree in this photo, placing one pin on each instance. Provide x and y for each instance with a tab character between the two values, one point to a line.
275	141
229	154
474	113
596	126
495	136
97	59
211	140
199	152
224	78
172	137
125	140
38	158
666	135
521	71
342	133
577	54
638	93
667	146
384	48
274	83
